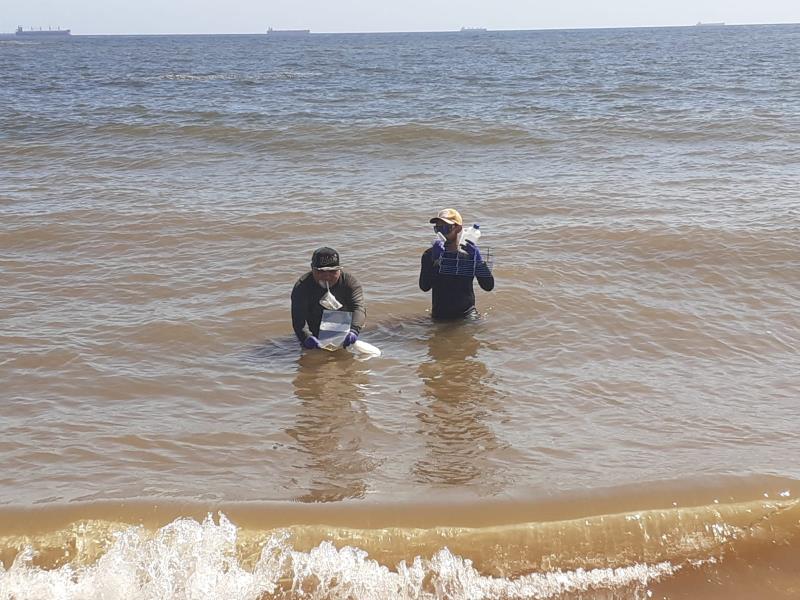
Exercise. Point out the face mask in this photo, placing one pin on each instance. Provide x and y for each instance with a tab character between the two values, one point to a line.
443	228
329	301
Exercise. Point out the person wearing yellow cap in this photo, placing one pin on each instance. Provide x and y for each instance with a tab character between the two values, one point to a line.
453	295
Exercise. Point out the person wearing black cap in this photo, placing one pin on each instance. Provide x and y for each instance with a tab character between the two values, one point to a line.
325	275
453	295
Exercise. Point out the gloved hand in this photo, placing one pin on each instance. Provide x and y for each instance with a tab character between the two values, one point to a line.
473	252
311	342
350	338
437	249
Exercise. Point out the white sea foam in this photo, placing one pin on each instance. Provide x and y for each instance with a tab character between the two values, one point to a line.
187	560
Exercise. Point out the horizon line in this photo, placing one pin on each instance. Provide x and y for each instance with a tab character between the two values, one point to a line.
487	30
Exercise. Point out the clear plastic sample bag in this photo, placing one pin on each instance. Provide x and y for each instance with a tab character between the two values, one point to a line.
333	328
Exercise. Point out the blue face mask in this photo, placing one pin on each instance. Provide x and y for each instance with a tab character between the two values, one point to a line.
443	228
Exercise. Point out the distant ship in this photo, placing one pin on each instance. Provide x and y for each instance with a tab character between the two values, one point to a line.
473	29
701	24
58	32
288	32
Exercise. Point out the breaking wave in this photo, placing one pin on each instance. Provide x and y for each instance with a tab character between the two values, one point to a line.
187	559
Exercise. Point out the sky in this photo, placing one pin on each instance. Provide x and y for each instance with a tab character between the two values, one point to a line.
335	16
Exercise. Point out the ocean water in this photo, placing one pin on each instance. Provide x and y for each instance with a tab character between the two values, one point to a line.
621	423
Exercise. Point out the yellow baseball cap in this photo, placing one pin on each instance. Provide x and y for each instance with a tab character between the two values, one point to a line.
448	215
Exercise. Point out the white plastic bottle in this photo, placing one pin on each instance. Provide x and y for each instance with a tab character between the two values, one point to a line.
473	234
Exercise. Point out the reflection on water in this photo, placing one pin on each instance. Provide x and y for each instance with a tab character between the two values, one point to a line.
454	423
331	419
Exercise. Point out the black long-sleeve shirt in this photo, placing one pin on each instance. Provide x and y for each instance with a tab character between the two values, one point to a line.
453	296
307	311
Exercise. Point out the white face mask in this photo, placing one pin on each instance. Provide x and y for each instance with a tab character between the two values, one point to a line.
329	301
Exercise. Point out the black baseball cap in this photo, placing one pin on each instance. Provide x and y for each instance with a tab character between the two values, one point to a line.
325	259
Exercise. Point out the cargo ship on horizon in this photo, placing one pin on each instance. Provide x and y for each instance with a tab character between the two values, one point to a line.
288	32
57	32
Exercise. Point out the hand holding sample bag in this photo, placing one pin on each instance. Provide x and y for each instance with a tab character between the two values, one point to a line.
333	328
